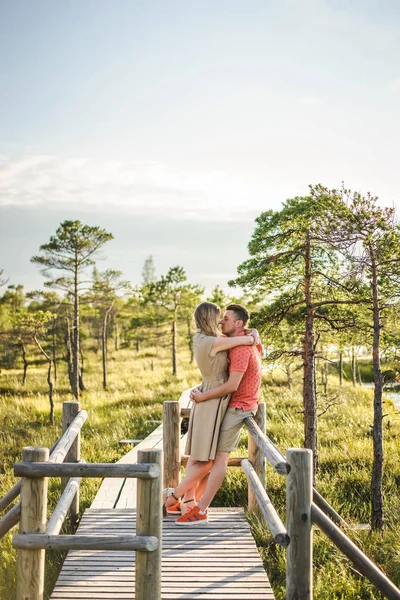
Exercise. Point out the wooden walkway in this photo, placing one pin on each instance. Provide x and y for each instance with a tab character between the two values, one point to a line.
218	561
215	561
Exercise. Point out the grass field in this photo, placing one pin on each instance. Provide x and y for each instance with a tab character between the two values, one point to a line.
139	383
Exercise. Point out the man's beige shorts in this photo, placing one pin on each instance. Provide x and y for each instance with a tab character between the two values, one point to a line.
229	434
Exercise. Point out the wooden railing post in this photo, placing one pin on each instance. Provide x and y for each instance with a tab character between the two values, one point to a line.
299	486
257	458
30	567
69	412
171	443
149	522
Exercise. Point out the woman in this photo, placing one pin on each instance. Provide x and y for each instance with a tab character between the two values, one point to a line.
211	353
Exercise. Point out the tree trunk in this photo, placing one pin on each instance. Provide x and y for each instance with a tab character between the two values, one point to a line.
341	368
53	349
288	370
82	387
68	341
104	344
324	377
75	347
116	333
174	370
309	396
353	366
49	379
377	467
359	380
190	340
138	345
24	361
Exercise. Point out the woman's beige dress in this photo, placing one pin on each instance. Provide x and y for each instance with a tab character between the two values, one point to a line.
206	417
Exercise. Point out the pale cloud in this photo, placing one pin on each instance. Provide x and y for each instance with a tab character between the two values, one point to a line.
311	100
394	84
141	187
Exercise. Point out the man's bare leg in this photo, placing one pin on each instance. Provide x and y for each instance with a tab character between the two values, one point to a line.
196	470
215	480
201	487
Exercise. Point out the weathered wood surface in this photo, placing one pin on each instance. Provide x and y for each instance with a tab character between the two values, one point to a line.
69	412
233	461
171	445
257	459
85	542
121	493
299	555
114	470
30	565
149	521
63	505
218	561
265	505
271	453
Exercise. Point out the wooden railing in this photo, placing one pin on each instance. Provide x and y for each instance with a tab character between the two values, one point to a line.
304	505
66	448
35	536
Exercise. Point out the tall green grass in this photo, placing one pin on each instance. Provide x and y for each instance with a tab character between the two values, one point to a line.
139	383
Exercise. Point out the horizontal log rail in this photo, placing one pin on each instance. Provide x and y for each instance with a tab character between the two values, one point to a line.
361	562
271	517
280	459
63	505
10	519
61	510
233	461
68	438
45	469
85	542
270	451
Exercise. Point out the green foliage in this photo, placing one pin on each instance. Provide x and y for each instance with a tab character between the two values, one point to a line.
173	293
72	248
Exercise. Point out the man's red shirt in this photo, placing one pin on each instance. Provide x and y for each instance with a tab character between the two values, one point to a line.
247	360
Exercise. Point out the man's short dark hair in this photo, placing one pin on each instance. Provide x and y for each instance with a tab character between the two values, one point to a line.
240	311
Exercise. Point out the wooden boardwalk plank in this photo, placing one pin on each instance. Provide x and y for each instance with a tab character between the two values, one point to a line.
218	561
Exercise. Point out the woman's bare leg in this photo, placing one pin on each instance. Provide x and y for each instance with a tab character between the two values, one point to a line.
196	470
193	494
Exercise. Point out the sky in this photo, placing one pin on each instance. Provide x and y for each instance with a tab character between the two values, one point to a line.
173	124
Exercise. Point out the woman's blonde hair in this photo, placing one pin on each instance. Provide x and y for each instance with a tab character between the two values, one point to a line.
207	316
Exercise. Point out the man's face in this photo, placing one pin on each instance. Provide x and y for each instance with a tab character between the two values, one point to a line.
230	324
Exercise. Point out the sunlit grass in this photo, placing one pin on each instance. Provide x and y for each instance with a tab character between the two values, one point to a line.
139	383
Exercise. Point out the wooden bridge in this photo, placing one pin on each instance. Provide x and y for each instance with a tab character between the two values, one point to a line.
215	561
123	549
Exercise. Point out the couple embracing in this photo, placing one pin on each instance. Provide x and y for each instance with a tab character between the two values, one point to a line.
230	365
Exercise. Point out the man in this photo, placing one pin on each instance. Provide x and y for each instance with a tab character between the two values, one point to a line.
244	383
